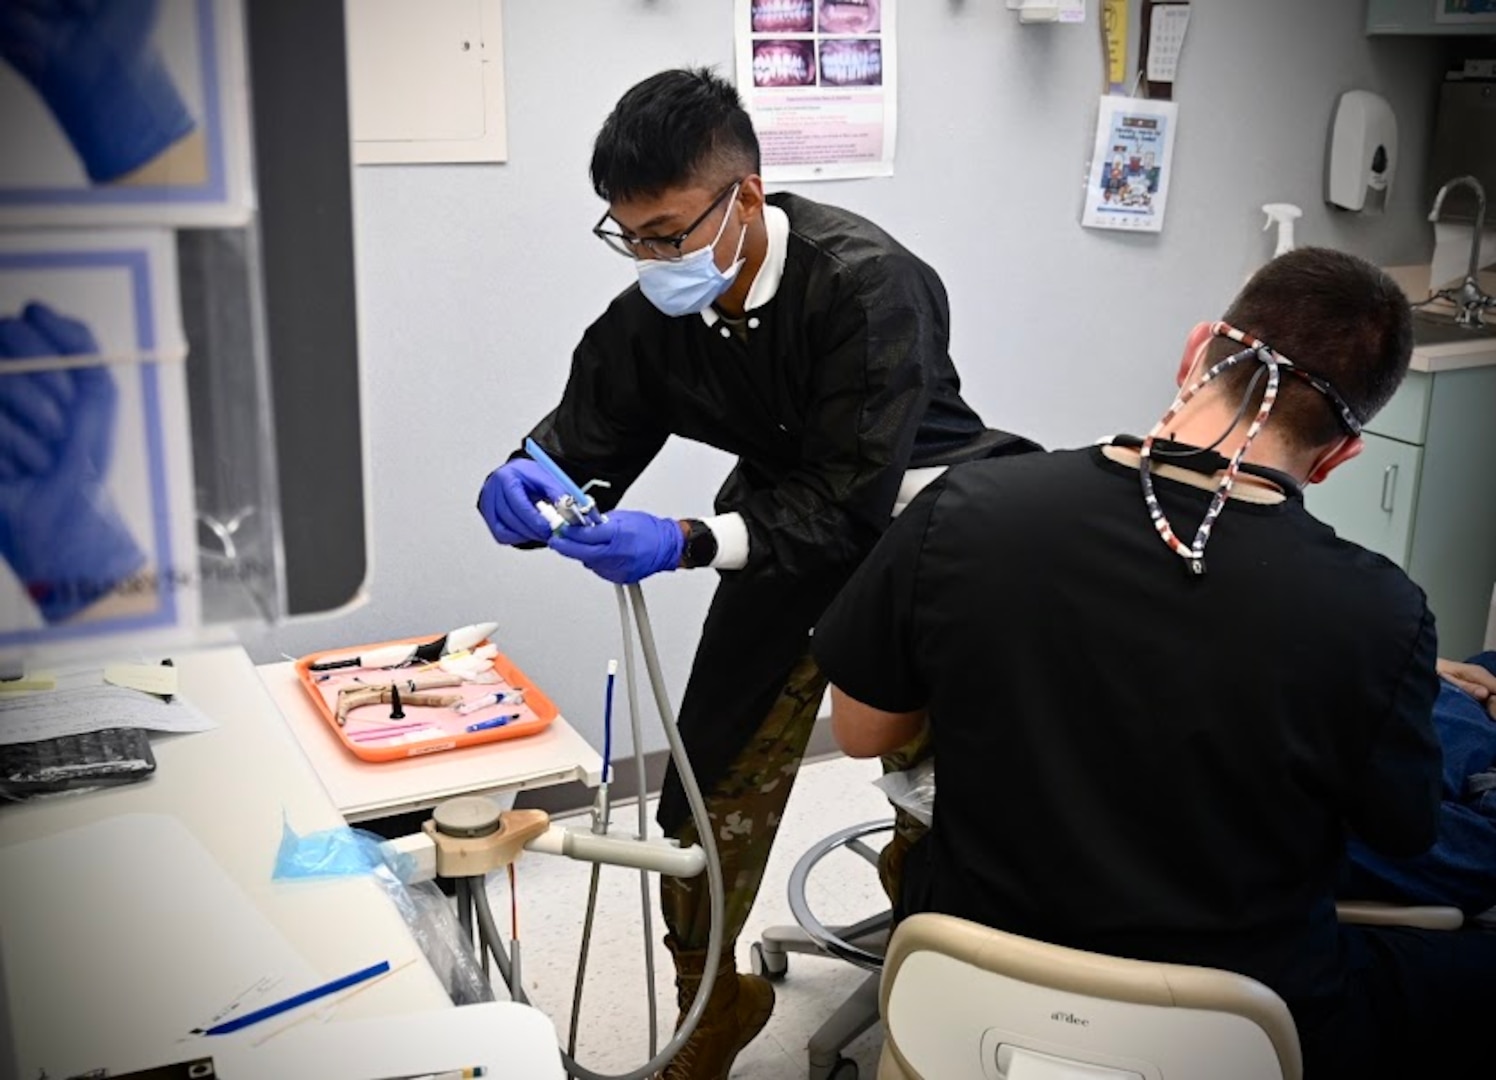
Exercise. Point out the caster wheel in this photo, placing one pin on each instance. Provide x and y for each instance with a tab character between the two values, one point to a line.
771	966
844	1069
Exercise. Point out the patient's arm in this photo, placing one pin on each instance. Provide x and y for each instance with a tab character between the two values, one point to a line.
1473	679
863	731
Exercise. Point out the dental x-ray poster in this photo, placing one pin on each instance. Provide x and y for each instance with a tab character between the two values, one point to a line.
123	112
96	509
1131	162
818	78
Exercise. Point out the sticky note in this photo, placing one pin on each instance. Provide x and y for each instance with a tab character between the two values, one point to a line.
146	678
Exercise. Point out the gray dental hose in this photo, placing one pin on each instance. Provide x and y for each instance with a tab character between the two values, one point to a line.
489	931
602	818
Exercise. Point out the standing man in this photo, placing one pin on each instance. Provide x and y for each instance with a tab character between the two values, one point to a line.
811	344
1211	691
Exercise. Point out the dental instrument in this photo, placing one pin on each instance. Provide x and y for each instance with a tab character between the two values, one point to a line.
464	637
472	836
575	507
502	697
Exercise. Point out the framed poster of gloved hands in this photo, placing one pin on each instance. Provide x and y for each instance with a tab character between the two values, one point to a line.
96	520
123	112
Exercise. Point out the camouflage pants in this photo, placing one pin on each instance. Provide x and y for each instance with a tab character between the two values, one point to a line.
745	808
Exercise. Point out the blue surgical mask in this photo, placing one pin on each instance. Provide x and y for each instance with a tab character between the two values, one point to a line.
686	286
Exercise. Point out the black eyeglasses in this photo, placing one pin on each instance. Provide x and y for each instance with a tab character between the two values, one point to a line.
656	247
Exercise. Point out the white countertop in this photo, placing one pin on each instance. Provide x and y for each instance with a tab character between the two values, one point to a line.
133	905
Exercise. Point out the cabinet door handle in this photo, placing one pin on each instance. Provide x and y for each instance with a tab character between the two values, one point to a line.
1389	488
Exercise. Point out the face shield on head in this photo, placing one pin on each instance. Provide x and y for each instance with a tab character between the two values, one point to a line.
686	286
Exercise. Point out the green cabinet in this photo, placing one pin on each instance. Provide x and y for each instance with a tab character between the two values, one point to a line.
1423	493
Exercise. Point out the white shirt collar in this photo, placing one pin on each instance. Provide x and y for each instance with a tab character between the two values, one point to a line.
766	284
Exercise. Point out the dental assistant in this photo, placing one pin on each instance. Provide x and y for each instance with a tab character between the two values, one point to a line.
813	346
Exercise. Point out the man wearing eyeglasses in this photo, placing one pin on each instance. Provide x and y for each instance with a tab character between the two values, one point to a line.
1211	693
813	346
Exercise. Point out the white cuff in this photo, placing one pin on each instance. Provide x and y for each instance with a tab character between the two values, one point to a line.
732	541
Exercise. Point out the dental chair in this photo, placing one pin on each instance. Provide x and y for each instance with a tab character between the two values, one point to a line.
955	996
961	999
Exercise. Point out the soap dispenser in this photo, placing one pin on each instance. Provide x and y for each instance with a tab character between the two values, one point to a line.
1362	153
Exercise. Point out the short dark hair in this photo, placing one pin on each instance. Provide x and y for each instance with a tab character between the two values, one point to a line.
671	129
1333	315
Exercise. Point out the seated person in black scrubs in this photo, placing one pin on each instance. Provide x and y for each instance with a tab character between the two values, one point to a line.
1156	747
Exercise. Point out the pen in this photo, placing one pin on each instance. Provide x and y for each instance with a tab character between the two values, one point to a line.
276	1008
497	721
448	1074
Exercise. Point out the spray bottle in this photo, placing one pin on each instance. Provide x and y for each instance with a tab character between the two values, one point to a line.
1284	215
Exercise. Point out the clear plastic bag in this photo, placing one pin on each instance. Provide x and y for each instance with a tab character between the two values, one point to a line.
912	790
428	914
431	920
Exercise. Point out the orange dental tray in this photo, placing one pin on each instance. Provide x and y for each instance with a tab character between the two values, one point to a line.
369	732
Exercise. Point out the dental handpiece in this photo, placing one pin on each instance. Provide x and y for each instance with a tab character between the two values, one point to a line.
575	506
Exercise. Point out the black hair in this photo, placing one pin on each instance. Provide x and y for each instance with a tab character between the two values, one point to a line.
672	129
1335	316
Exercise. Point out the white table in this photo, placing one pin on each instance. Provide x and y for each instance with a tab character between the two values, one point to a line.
365	790
230	789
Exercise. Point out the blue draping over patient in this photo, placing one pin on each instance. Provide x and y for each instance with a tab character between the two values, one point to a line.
1460	869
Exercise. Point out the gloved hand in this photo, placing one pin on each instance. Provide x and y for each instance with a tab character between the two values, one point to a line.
94	64
38	408
59	529
628	547
508	497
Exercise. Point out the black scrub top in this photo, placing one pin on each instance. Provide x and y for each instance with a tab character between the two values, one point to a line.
1131	759
842	381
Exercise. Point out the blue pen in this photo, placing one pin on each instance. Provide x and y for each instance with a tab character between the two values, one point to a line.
497	721
293	1002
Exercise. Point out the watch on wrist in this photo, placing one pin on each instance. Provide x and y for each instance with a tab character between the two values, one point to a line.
701	545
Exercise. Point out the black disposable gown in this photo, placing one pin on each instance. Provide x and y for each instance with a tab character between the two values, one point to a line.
845	382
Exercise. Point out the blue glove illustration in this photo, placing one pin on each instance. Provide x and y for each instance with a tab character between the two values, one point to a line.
94	64
59	529
628	547
508	497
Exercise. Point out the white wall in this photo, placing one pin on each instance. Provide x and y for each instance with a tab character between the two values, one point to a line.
475	281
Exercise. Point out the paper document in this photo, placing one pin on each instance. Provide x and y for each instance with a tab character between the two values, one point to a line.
1166	40
820	80
1131	163
83	702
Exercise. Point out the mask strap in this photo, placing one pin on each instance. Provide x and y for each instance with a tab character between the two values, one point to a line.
722	229
1194	553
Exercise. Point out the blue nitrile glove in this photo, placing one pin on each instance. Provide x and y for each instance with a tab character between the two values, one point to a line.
507	501
59	529
37	407
628	547
95	66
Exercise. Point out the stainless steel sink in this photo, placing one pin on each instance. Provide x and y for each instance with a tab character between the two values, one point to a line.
1442	329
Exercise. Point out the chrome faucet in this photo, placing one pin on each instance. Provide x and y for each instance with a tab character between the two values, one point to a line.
1467	297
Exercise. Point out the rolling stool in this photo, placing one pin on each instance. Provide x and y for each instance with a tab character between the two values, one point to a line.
861	944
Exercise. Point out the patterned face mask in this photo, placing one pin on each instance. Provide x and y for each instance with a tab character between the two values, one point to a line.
1274	364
